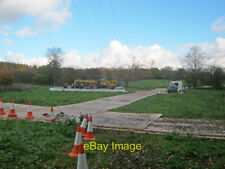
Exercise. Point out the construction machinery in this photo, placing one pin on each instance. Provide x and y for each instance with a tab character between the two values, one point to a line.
94	84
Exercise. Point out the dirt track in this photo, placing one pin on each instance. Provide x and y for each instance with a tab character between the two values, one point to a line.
208	128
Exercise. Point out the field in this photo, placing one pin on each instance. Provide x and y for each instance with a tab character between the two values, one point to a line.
40	95
194	104
25	144
33	144
147	85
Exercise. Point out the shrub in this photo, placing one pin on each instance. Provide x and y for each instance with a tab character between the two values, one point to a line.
15	87
218	78
6	78
23	76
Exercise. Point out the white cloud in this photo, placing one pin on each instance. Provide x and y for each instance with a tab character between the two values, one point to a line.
118	55
74	59
26	31
45	13
3	33
215	52
4	30
7	41
20	58
219	25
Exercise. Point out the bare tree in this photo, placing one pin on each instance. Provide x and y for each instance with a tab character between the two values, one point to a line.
54	56
131	73
194	62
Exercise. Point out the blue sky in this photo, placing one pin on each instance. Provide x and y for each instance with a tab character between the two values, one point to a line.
88	27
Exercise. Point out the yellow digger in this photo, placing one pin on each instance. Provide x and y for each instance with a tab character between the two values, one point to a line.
94	84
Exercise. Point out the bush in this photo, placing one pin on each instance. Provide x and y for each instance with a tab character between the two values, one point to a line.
23	76
6	78
218	78
15	87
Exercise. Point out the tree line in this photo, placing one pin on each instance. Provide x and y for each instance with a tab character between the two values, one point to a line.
194	72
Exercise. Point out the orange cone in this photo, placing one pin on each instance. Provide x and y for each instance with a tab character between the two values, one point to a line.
77	142
83	125
29	113
52	118
90	134
1	107
82	161
12	112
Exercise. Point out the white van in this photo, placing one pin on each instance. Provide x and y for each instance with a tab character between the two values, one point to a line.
175	86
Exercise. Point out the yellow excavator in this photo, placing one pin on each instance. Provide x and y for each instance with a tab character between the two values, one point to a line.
94	84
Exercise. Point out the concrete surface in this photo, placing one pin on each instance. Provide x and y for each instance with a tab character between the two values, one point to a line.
94	107
87	90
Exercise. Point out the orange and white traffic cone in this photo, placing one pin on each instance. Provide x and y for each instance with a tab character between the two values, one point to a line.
1	107
90	134
29	112
82	161
77	142
52	116
83	125
12	112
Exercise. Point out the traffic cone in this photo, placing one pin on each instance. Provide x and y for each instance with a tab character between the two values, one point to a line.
83	125
52	118
29	113
82	161
1	107
77	142
12	112
90	134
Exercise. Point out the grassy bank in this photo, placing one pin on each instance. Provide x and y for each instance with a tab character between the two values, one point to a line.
25	144
194	104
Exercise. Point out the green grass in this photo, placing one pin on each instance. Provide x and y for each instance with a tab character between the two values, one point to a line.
146	85
26	144
194	104
40	95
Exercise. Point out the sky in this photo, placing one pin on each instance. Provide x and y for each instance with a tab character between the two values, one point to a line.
112	33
